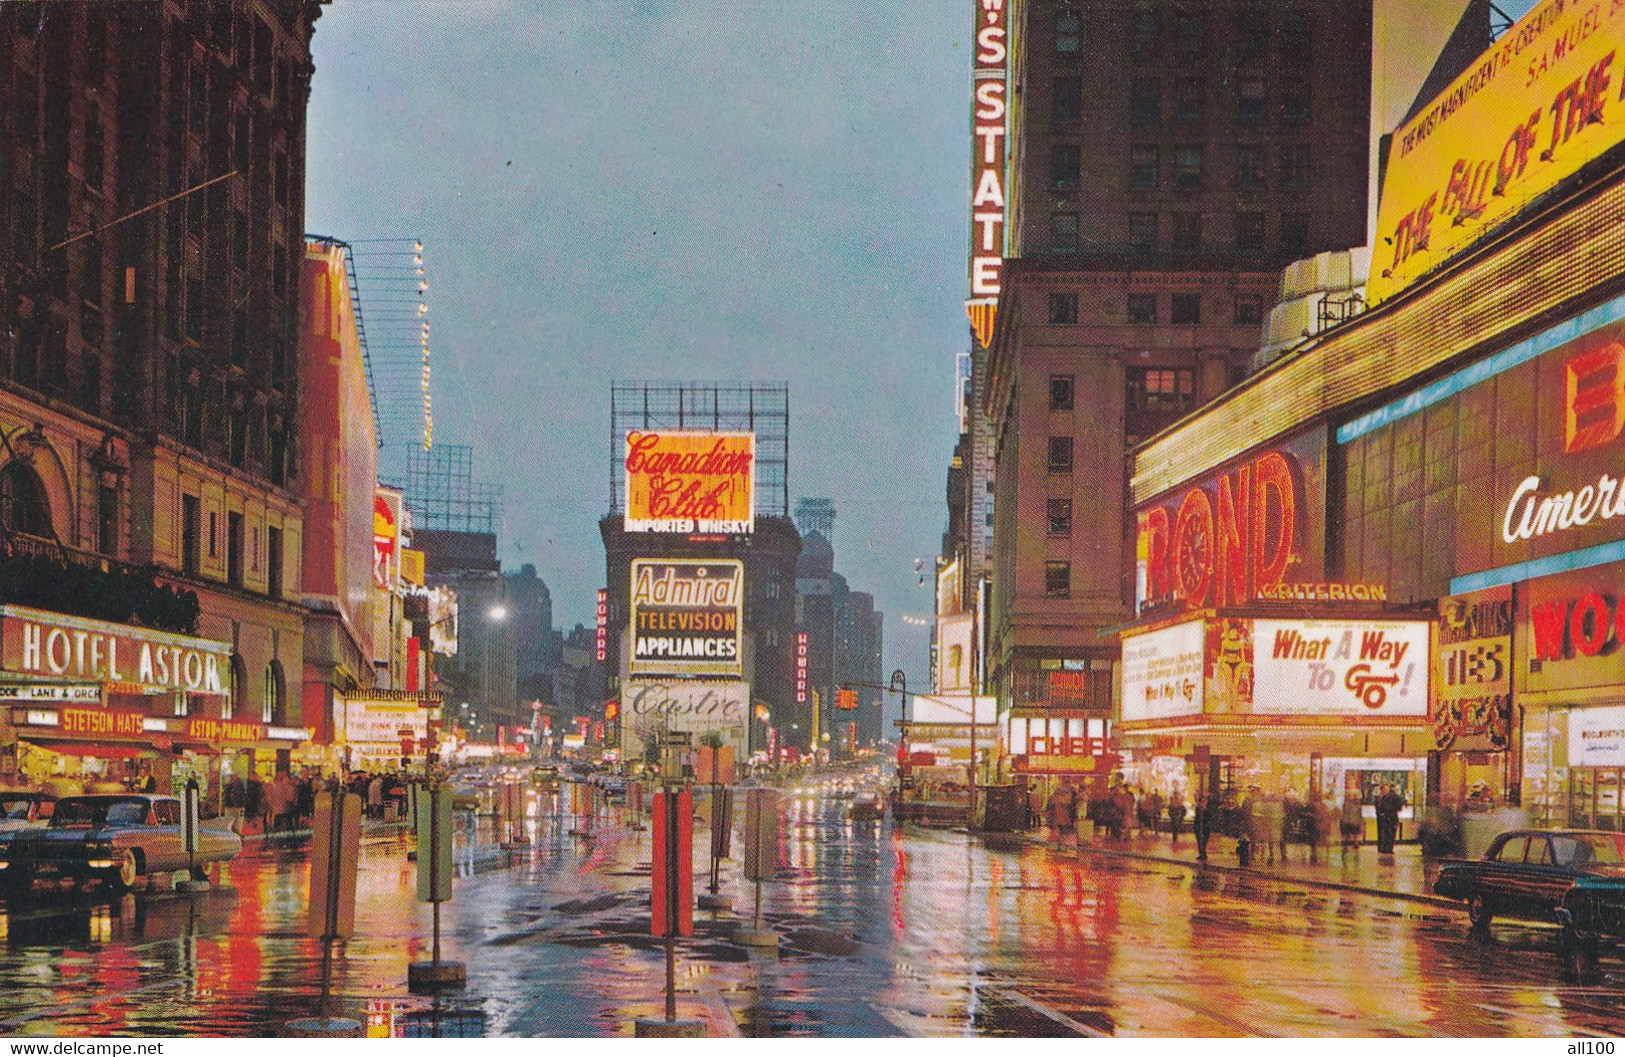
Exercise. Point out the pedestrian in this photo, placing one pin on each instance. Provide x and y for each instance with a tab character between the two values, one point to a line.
1351	821
1202	826
1269	818
253	800
1389	804
1035	805
1176	814
375	797
1154	810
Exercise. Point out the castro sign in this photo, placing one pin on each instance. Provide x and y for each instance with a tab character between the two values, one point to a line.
650	709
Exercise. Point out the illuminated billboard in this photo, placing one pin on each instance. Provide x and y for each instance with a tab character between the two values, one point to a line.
650	709
1341	667
1237	535
687	617
1162	673
988	207
690	482
1530	112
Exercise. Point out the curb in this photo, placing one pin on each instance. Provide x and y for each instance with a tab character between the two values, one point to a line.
1340	886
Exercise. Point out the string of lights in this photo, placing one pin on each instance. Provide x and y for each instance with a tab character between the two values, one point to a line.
393	282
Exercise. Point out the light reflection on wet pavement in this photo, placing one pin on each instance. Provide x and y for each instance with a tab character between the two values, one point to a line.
885	932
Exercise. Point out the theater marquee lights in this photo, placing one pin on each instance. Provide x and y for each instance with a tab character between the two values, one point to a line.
988	209
1530	112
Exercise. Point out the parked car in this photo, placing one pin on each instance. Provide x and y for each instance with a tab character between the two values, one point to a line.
1571	878
110	838
24	809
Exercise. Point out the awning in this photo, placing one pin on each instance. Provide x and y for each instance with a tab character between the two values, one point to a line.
100	750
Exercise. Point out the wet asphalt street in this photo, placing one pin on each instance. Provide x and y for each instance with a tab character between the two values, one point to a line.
886	932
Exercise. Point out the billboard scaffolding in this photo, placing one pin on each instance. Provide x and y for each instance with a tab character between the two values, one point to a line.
759	408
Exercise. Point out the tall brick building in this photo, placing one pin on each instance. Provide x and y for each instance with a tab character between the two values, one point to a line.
1167	160
151	246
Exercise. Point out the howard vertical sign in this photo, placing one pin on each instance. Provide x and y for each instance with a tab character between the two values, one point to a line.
988	208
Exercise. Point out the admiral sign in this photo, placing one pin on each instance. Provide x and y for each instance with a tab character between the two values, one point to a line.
1530	112
687	617
690	482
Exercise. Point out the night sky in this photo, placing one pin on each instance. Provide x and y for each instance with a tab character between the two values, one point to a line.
671	190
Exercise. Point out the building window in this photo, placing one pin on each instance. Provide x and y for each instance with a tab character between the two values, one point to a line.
1060	455
1249	311
191	535
1145	101
234	549
1142	168
273	562
1144	29
24	506
1063	230
1295	102
239	687
1189	31
1294	232
273	705
1188	168
1068	33
1156	397
107	519
1187	230
1060	392
1066	105
1059	512
1295	166
1252	36
1063	308
1249	231
95	147
1142	230
1185	308
1142	308
1063	166
1188	99
1057	579
1249	166
1251	99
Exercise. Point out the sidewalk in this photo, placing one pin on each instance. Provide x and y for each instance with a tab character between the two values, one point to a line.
1402	875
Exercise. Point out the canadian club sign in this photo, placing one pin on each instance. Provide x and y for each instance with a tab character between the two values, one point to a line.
687	617
690	482
989	110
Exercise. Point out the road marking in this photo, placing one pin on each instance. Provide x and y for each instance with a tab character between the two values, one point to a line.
720	1013
1052	1014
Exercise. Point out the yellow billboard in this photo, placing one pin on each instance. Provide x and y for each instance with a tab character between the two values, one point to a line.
1530	112
690	482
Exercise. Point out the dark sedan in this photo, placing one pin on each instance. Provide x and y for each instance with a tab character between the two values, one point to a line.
114	839
1572	878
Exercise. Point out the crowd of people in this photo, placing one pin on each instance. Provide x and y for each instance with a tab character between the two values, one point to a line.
1262	825
285	803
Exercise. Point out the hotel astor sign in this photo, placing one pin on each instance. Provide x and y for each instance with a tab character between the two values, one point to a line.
54	645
